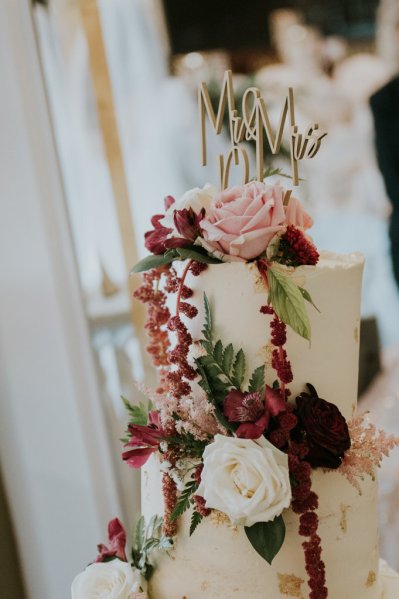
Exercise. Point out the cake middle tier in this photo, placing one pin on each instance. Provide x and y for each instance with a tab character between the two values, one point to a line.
330	361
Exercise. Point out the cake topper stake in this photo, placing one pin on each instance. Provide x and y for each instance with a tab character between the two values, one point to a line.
252	126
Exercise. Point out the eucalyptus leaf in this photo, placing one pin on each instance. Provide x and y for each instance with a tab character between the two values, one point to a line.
288	302
267	537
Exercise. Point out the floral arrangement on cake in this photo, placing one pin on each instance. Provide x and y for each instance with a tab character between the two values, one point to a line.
246	450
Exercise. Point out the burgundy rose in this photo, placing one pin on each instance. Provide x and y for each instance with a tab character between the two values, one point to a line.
249	410
324	429
187	223
117	543
158	241
144	440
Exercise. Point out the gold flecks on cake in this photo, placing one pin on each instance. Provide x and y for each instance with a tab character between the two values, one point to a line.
259	286
371	579
204	585
290	585
343	523
356	334
220	519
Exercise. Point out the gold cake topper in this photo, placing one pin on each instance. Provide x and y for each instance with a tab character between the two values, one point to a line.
252	126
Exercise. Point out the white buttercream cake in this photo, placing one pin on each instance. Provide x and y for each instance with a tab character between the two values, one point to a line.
217	561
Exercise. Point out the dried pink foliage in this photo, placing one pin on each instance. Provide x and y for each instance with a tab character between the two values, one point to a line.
197	416
369	446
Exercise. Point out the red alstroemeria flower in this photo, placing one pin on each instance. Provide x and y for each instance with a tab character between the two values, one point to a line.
187	223
117	543
144	440
158	241
248	409
275	403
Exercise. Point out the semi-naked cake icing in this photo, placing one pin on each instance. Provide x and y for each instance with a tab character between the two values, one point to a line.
217	561
259	476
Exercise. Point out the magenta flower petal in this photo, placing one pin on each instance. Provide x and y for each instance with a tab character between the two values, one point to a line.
275	403
232	405
187	223
136	458
117	541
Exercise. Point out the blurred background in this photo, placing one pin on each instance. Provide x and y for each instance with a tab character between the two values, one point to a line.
99	123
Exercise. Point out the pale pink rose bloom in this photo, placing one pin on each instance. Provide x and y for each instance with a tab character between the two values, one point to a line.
296	214
242	220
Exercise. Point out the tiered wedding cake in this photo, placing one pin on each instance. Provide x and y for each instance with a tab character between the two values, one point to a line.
217	561
258	476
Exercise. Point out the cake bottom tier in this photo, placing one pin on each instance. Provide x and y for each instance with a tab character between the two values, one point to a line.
218	562
389	582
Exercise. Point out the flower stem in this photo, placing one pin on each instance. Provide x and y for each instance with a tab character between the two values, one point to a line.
183	278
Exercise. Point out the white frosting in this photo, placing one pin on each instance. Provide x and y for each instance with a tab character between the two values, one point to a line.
330	362
389	581
218	561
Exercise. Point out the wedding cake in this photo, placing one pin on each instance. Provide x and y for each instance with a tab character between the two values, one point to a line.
258	475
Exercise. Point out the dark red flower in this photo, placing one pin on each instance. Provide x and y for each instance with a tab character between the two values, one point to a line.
275	403
243	407
324	428
253	430
187	223
296	248
117	543
158	241
144	440
248	409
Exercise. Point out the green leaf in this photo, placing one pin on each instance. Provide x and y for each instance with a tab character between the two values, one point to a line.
153	261
207	330
267	537
270	171
138	413
191	254
228	357
139	534
239	369
183	503
257	380
288	302
306	296
218	352
195	520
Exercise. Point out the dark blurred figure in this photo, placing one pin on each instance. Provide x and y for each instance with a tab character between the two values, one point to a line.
385	107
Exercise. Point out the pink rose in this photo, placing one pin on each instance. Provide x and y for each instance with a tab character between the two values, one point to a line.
296	214
243	220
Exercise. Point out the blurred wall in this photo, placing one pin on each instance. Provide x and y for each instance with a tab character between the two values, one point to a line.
54	446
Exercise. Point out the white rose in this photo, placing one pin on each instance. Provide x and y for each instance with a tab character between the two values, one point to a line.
247	480
107	580
196	199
